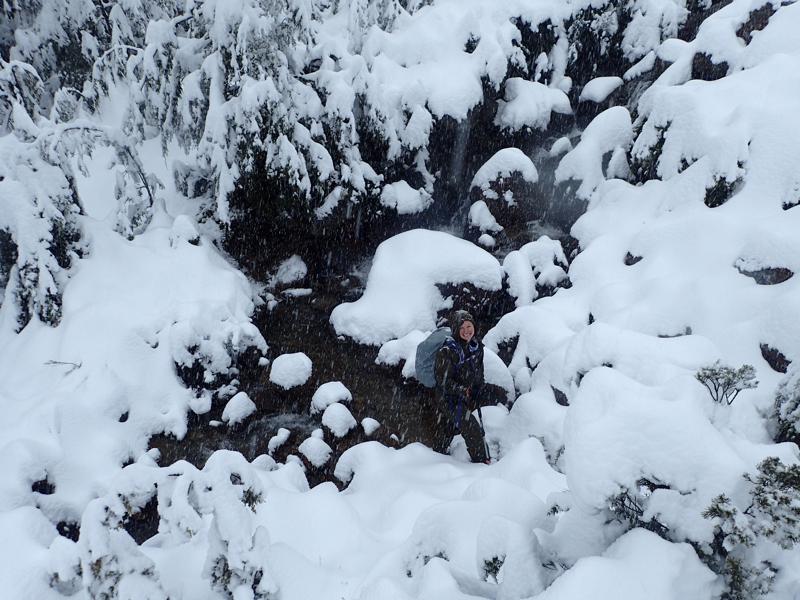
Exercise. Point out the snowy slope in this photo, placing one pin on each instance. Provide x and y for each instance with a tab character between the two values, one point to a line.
613	451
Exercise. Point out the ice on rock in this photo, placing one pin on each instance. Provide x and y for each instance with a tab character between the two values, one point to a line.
238	409
401	293
327	394
316	451
338	419
290	370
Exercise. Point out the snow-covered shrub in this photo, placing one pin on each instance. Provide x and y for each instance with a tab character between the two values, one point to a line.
112	565
38	211
786	408
724	383
238	550
629	507
772	518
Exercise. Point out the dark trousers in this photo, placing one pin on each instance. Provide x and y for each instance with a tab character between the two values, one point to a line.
454	418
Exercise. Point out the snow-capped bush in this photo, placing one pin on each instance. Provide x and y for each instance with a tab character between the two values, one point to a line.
772	516
724	383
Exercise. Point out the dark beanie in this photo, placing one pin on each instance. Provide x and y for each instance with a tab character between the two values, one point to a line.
457	319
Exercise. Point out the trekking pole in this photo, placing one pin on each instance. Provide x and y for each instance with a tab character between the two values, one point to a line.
483	433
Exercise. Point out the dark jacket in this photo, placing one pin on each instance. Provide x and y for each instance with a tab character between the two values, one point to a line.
459	366
459	369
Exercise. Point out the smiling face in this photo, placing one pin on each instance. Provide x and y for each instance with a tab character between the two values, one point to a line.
466	331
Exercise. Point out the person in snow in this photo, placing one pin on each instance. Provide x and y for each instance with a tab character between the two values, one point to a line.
459	379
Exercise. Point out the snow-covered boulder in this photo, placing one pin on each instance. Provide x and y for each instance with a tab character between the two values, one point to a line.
502	166
278	440
610	131
599	89
290	370
538	264
338	419
401	293
369	425
327	394
238	409
404	199
530	104
482	219
316	451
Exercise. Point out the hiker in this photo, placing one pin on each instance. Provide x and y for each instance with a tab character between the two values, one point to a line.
459	379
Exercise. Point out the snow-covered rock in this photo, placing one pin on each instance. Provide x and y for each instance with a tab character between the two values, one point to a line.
599	89
278	440
482	218
290	370
404	199
401	293
369	425
530	104
502	165
338	419
238	409
316	451
327	394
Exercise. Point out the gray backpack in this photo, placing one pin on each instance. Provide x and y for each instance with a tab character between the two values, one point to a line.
426	356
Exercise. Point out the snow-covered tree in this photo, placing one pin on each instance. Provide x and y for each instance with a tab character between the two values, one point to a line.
772	517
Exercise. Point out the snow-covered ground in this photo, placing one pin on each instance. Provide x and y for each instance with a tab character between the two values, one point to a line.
612	453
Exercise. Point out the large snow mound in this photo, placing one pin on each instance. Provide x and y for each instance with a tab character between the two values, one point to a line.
401	293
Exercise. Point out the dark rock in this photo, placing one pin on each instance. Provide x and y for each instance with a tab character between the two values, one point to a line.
143	525
775	358
704	67
687	331
561	397
69	529
595	39
44	487
757	20
123	417
571	247
790	205
699	11
506	349
631	260
644	167
722	191
769	275
8	258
